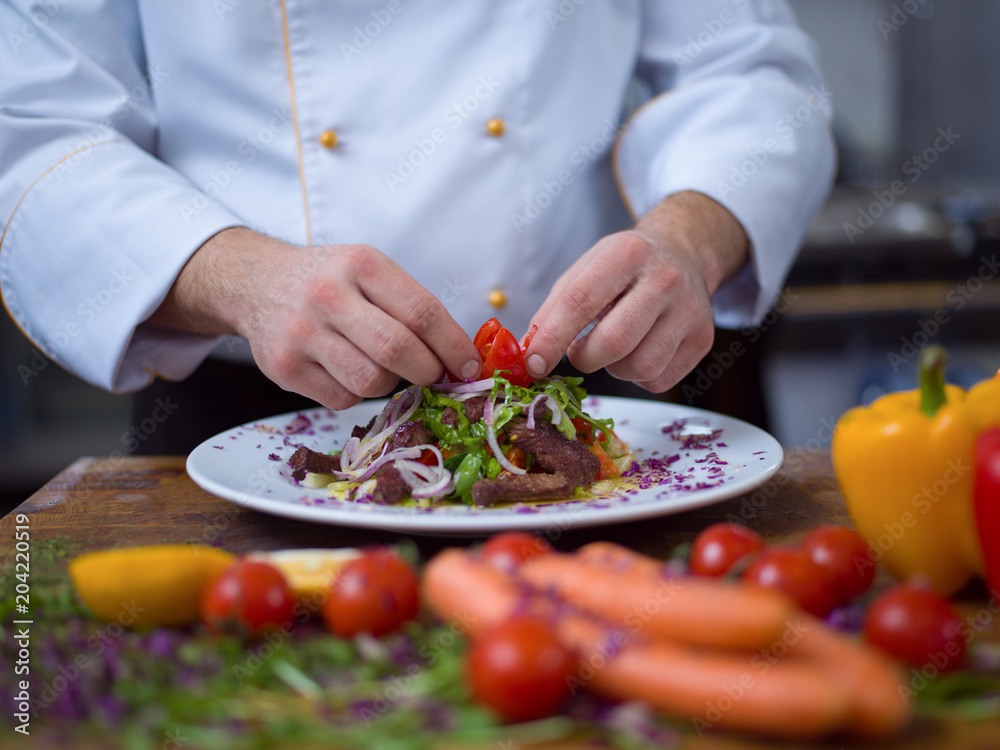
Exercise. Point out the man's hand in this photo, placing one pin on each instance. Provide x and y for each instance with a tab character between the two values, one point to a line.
651	289
335	323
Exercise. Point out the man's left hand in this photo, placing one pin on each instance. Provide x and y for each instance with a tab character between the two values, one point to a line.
649	289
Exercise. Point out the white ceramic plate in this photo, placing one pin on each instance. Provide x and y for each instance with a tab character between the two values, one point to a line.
248	465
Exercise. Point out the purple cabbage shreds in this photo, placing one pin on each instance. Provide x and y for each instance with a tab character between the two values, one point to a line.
632	470
111	708
160	643
848	619
218	447
675	426
721	445
273	457
300	424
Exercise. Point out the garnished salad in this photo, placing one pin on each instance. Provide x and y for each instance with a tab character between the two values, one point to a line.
478	442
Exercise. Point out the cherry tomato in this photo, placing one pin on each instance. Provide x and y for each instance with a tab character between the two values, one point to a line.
508	550
719	546
584	430
504	353
374	593
843	555
486	333
526	342
790	570
519	670
917	626
248	597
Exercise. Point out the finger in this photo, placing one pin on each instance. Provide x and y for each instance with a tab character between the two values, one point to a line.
350	366
619	331
313	381
403	299
665	356
389	344
576	300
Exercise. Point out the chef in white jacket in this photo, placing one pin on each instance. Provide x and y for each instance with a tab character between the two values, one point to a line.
354	187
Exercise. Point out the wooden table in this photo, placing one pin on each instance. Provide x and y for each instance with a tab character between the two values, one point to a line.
101	503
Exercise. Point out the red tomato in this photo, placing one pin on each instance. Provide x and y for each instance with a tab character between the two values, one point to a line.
527	338
248	597
519	670
374	593
843	555
508	550
916	626
584	430
719	546
790	570
504	353
487	331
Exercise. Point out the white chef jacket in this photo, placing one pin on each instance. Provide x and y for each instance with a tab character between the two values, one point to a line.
481	145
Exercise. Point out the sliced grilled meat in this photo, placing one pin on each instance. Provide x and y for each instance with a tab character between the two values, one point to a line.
306	460
570	464
488	492
553	451
474	408
389	486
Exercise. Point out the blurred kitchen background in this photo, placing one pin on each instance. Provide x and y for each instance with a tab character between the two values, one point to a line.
859	301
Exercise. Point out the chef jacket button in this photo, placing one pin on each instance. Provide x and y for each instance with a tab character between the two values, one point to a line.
328	139
495	127
497	298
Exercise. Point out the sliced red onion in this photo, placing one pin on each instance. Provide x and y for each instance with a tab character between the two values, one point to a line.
424	481
549	402
488	413
360	475
461	397
491	438
475	385
371	443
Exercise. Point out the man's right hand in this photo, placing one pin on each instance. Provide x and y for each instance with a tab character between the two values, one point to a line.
336	323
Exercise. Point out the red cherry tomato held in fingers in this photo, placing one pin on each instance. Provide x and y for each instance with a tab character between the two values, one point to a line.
374	593
527	338
843	555
504	353
486	333
790	570
519	670
508	550
718	547
248	597
916	626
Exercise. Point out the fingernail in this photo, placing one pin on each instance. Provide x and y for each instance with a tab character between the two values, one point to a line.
470	369
536	366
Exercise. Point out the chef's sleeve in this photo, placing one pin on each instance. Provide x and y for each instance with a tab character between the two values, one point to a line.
92	236
740	113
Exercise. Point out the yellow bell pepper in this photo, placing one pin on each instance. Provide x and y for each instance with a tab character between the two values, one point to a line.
905	467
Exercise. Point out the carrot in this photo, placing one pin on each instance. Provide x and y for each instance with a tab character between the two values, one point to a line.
878	708
618	558
697	611
872	680
465	589
792	699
